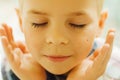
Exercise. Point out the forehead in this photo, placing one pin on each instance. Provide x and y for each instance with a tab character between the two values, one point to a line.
60	6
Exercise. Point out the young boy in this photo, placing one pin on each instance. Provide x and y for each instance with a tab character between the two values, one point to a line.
60	37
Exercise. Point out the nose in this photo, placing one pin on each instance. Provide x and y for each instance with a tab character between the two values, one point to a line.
56	37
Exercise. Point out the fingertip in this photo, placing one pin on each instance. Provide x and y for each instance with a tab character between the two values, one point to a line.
4	41
2	33
4	24
112	34
112	30
111	37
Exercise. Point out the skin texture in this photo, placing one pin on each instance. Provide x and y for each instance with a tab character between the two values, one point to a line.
58	37
50	31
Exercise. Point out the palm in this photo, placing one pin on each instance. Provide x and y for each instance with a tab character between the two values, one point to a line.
19	58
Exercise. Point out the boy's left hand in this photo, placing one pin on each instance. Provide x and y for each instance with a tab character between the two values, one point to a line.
94	66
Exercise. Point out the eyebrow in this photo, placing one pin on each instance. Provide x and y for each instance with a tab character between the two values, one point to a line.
37	12
77	13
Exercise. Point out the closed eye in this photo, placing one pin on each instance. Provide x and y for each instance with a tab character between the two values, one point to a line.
39	24
77	26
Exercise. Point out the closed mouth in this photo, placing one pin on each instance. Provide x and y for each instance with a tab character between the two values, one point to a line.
57	58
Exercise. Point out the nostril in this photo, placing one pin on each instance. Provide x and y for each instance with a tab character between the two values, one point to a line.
57	42
50	43
64	42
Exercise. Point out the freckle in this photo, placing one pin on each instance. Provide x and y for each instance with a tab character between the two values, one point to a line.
87	40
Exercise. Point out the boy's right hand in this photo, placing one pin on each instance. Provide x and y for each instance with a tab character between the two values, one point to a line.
21	61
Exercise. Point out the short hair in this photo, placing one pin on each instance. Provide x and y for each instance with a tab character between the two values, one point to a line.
98	2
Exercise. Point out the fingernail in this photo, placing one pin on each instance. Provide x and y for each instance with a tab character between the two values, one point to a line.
112	34
112	30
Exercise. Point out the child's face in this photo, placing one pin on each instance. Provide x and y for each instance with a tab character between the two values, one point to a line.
59	33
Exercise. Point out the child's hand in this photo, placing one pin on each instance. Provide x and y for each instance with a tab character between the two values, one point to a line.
94	66
22	63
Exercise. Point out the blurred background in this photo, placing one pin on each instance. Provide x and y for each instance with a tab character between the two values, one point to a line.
113	19
8	15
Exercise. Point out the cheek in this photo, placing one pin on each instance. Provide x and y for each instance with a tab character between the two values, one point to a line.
33	40
83	44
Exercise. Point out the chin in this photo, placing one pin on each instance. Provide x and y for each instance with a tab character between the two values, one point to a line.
57	70
59	67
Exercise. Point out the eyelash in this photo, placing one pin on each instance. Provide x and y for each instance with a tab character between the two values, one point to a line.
37	25
77	26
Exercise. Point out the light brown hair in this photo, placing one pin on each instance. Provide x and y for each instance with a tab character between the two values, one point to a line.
99	5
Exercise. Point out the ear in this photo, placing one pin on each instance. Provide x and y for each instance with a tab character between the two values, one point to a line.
103	18
19	18
101	22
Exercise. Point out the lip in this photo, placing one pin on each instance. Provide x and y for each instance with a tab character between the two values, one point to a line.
57	58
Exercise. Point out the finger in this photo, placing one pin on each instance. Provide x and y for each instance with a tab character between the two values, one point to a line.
22	46
110	36
8	32
110	39
9	35
94	55
99	59
2	32
17	56
13	56
7	48
105	52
